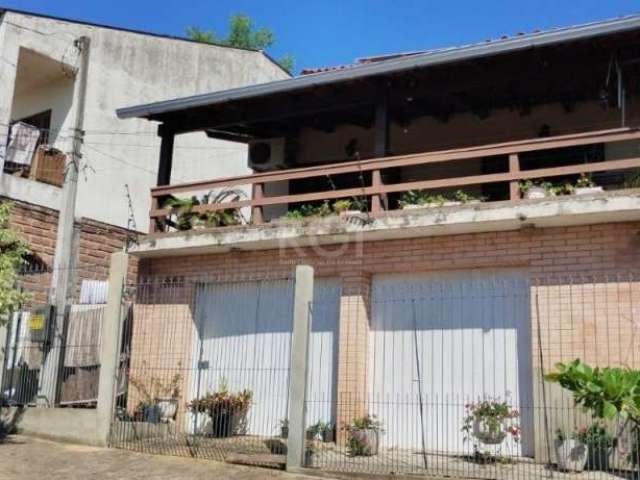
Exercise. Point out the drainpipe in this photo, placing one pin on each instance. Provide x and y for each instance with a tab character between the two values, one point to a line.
63	277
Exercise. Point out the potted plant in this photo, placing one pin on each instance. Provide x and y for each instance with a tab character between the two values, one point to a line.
490	421
422	198
313	432
599	445
364	436
321	431
227	410
306	211
585	185
184	217
159	399
535	189
571	452
284	428
348	207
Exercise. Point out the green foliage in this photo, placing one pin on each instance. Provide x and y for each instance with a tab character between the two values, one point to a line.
492	414
242	34
222	399
632	179
424	197
595	437
13	250
150	389
307	210
368	422
607	393
585	181
186	218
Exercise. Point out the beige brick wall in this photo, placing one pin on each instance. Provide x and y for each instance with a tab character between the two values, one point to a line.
578	313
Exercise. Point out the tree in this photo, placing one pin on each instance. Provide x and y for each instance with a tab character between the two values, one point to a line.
13	250
242	34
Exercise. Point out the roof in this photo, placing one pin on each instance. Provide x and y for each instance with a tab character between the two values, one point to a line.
130	30
394	64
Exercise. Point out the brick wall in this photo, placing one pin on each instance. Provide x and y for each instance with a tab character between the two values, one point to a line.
96	241
577	314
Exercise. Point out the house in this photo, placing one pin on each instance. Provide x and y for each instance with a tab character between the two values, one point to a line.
471	265
77	176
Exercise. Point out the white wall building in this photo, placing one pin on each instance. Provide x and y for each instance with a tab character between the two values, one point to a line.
38	76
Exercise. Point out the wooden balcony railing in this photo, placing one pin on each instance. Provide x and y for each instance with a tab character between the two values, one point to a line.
376	189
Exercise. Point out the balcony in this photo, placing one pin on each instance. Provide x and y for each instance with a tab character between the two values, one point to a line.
460	185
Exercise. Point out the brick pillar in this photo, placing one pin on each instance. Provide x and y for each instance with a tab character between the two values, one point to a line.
353	349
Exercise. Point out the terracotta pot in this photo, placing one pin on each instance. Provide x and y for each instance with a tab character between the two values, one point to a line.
571	455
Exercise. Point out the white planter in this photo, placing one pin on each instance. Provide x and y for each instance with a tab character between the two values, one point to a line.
167	407
487	436
350	213
571	455
587	190
536	192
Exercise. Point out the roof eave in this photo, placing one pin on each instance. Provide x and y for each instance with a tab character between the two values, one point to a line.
391	66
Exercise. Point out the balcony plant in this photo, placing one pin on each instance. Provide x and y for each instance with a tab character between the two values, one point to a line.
321	431
571	451
424	198
364	436
227	411
531	189
158	398
183	216
585	185
490	421
349	206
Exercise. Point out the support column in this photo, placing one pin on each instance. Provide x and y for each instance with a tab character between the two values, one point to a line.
353	345
63	274
381	149
302	306
165	162
9	58
110	346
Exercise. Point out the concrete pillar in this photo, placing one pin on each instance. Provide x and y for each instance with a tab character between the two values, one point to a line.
302	304
8	71
353	348
110	347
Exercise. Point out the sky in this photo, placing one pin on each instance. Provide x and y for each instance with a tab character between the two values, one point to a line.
331	32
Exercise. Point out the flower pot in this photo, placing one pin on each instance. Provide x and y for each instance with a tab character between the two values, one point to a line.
363	442
328	435
587	190
151	414
226	422
571	455
308	458
167	407
536	192
350	213
598	457
489	434
284	432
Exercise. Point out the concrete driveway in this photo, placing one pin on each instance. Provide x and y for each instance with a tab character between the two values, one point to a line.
25	458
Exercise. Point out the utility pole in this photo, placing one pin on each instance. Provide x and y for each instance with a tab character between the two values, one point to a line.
63	278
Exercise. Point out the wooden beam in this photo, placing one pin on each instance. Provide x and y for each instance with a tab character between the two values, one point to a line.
166	157
505	148
256	211
514	167
381	150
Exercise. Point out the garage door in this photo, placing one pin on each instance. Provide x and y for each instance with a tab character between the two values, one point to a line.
439	341
244	339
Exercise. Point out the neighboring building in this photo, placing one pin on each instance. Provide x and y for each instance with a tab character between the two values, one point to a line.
479	118
61	81
38	77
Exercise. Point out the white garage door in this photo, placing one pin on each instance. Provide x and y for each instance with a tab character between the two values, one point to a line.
442	340
244	337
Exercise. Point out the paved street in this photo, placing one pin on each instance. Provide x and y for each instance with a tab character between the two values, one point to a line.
26	458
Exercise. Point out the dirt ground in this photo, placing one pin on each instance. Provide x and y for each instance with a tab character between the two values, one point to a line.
27	458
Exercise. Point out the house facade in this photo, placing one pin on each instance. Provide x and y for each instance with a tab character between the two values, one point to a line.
472	216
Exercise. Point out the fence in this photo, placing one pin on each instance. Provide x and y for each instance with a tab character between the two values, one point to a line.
52	356
205	362
442	375
434	374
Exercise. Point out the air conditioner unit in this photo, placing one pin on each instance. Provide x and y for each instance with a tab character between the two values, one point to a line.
266	154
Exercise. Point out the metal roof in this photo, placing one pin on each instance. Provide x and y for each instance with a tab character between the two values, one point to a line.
430	58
